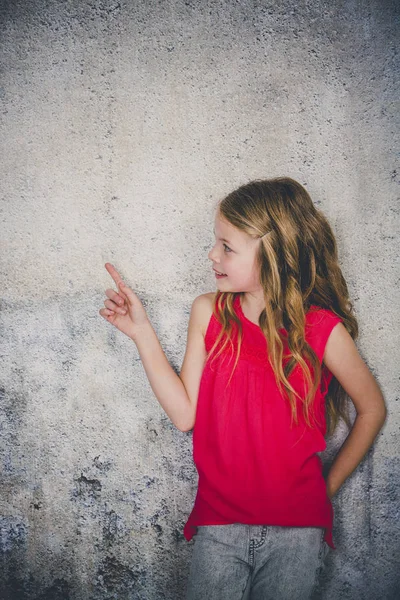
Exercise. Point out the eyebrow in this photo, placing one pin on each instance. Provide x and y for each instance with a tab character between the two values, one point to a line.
222	239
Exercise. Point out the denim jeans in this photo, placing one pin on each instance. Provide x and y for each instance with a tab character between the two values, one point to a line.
255	562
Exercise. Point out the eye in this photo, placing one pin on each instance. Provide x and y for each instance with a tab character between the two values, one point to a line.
226	248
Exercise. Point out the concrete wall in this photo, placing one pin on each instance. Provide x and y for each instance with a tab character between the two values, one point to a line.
123	123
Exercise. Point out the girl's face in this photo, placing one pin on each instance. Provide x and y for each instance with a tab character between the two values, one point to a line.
234	254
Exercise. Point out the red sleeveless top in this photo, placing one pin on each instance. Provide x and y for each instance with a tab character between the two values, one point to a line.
253	468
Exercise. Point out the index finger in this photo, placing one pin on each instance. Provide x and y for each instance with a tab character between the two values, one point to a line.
114	273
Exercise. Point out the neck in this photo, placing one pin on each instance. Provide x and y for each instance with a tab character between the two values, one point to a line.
252	307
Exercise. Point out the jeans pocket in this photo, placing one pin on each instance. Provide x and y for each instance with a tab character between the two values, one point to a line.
322	554
325	551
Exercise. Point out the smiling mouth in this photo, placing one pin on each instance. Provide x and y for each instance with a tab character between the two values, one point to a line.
218	273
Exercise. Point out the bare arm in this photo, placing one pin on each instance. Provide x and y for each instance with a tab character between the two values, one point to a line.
165	383
344	361
176	394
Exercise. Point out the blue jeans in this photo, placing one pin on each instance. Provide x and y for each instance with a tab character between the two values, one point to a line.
255	562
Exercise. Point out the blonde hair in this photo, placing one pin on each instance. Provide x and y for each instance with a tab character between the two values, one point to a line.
298	265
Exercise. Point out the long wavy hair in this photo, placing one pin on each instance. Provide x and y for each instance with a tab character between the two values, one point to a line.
298	267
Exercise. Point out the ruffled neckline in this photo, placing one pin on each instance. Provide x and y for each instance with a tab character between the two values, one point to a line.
240	311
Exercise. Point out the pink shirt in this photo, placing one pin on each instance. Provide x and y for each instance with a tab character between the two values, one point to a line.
252	467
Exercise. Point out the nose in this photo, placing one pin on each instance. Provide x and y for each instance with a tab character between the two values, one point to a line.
211	255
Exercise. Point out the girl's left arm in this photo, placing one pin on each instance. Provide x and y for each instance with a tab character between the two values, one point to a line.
345	363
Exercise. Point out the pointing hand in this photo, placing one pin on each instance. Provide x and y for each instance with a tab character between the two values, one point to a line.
123	309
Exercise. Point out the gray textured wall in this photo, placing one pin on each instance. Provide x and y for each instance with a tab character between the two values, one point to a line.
123	123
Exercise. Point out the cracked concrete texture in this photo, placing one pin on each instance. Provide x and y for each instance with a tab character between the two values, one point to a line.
122	125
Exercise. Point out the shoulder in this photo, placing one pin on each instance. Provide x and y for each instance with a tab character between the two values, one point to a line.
317	315
320	323
202	310
345	363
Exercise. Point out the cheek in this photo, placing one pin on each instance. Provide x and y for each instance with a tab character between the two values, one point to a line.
254	273
243	269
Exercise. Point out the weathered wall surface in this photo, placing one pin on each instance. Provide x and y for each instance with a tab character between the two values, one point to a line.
123	123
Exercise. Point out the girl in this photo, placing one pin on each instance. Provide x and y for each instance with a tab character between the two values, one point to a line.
268	361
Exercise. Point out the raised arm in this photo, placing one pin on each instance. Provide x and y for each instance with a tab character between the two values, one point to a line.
177	394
